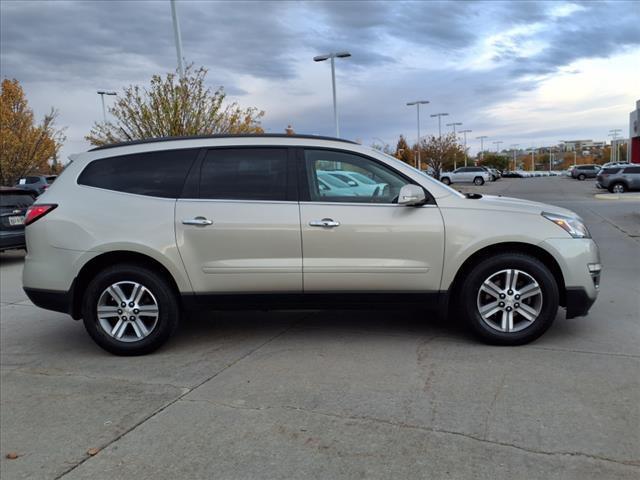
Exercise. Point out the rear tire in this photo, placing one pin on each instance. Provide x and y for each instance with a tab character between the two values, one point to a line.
524	310
445	180
581	176
618	187
139	309
478	181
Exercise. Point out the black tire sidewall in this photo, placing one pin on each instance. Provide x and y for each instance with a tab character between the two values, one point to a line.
165	296
478	181
522	262
446	181
624	187
581	177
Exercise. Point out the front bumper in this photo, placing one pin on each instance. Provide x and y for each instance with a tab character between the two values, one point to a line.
578	302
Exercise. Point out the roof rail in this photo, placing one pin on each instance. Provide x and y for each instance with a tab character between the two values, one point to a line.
199	137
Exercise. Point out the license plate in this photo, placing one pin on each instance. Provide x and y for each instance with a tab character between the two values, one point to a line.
13	221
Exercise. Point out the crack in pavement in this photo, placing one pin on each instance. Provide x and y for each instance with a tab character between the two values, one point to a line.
363	418
183	394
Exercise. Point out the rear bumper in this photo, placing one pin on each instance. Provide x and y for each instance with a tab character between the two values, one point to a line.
578	302
51	299
12	240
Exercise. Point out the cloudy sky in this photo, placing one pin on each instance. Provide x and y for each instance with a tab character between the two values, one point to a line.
530	73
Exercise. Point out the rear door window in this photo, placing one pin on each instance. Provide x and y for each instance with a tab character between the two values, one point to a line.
244	174
635	170
155	174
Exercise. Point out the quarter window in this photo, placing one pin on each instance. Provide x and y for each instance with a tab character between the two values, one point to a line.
156	174
632	170
333	177
244	174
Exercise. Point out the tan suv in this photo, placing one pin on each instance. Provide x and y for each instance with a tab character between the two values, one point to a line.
132	235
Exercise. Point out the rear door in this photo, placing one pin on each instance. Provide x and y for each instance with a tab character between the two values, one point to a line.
238	227
366	243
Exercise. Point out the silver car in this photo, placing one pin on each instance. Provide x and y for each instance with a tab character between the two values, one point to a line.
619	179
133	235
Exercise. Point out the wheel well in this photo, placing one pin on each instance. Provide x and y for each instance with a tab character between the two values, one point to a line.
93	266
545	257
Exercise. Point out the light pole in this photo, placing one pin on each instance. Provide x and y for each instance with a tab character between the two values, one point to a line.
533	161
417	103
466	155
454	135
514	147
481	138
439	115
178	37
497	144
332	57
614	133
102	93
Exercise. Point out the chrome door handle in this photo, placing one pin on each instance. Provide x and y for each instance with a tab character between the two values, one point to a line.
325	222
197	221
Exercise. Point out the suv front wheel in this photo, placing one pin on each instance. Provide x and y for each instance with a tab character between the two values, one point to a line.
478	181
510	299
130	310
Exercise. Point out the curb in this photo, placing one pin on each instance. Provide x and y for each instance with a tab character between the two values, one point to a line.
618	196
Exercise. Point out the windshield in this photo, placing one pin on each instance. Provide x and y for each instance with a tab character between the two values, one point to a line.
15	200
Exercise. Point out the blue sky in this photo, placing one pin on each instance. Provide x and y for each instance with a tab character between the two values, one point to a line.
528	73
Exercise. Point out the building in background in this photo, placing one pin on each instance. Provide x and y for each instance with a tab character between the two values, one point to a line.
633	148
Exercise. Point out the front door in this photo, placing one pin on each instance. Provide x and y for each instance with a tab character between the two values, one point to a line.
366	242
241	232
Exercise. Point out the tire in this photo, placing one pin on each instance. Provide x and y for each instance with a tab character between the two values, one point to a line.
534	279
618	187
445	180
478	181
581	177
141	333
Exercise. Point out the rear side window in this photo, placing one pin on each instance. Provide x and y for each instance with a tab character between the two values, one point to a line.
244	174
156	174
632	170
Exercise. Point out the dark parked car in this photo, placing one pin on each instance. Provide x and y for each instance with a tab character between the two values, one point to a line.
13	207
36	183
585	171
620	179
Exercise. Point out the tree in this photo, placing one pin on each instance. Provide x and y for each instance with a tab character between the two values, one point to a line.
441	152
24	146
495	160
174	106
404	152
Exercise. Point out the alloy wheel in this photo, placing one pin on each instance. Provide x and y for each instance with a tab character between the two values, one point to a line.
509	300
127	311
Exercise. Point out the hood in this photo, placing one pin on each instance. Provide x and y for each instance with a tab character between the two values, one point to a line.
519	205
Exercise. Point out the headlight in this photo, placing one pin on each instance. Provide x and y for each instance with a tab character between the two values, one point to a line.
572	225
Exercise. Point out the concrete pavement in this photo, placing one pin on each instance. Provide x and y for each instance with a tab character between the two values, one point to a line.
336	394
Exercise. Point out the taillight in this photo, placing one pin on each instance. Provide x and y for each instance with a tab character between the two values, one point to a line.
34	212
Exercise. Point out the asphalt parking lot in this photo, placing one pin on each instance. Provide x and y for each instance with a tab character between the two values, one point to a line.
333	395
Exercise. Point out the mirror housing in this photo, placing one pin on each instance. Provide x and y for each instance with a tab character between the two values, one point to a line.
411	195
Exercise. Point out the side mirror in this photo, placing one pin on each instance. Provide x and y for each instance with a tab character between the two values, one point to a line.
411	195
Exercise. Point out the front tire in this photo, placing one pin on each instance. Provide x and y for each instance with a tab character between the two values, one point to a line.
445	180
581	176
478	181
510	299
129	309
618	187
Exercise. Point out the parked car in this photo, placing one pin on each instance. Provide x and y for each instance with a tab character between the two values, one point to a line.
13	207
585	171
495	174
329	186
619	179
36	183
475	175
132	235
360	184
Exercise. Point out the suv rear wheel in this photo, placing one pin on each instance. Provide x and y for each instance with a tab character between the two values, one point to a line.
130	310
582	176
510	299
478	181
445	180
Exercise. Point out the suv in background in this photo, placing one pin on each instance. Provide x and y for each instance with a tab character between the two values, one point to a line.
36	183
132	235
13	207
620	179
475	175
585	171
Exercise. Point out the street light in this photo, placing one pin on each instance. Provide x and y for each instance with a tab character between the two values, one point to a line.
332	57
454	126
466	155
178	37
514	147
456	139
102	93
439	115
497	144
481	138
614	133
417	103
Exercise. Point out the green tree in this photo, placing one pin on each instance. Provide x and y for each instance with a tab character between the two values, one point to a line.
495	160
174	106
25	147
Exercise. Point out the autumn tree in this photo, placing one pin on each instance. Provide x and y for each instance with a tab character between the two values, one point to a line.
174	106
25	147
404	152
441	152
495	160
